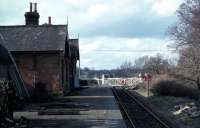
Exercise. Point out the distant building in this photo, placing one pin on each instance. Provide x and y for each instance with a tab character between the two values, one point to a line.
43	53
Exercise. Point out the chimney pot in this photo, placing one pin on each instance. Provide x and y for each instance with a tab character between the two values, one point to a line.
35	7
31	7
49	19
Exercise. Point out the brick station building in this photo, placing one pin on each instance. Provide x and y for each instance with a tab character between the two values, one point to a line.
43	53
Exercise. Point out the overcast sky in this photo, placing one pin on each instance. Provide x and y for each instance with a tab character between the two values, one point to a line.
126	27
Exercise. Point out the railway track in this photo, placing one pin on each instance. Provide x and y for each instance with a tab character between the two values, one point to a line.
137	114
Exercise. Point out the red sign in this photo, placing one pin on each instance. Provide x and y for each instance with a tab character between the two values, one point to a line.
147	77
124	82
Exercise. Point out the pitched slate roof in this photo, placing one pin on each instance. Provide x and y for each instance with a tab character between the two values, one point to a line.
34	38
74	48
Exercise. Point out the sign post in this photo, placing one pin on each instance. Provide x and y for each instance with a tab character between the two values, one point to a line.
147	77
148	87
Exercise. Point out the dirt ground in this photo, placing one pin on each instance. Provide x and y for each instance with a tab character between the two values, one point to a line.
166	105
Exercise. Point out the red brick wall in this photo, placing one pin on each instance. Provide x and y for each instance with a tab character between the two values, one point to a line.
25	65
47	70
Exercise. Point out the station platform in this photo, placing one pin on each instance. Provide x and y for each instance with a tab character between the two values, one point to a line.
88	107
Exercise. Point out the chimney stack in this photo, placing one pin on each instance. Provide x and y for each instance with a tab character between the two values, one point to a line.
49	19
32	17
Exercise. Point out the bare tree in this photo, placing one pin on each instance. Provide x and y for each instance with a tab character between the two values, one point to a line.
189	65
139	63
186	34
156	65
126	69
187	30
126	65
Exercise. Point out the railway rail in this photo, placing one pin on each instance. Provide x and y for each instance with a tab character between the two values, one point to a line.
137	114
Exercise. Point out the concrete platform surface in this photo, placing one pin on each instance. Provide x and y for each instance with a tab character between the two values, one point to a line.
90	107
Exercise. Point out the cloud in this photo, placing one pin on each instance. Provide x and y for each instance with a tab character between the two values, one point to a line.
138	26
114	18
127	25
165	7
108	53
130	18
11	12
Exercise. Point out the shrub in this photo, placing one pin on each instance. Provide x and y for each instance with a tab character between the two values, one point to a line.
56	94
171	87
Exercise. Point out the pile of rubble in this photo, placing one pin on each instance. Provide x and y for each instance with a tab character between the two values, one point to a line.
191	110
